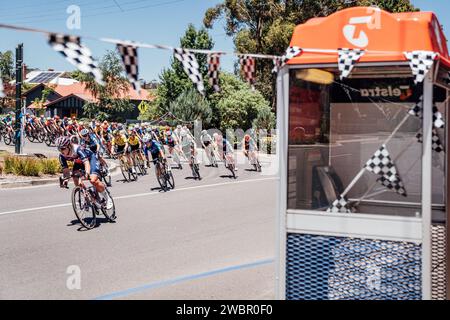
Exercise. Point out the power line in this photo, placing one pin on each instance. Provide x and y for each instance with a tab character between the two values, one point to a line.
125	10
22	18
23	15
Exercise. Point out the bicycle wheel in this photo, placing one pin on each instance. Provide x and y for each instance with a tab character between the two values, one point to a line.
124	170
41	137
106	177
84	210
7	138
110	214
170	180
161	177
47	140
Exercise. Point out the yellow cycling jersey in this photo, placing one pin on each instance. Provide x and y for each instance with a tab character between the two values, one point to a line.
120	141
133	141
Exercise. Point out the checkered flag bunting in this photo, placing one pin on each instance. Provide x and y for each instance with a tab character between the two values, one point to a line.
277	64
395	185
435	140
347	60
77	54
131	64
420	62
191	67
213	70
382	164
291	53
416	110
341	205
248	68
438	119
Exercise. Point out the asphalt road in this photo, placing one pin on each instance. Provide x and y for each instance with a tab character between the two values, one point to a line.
209	239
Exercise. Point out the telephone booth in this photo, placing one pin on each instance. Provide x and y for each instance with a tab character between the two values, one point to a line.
362	134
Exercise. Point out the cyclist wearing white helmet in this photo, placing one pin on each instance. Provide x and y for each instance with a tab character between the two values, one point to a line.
189	149
174	149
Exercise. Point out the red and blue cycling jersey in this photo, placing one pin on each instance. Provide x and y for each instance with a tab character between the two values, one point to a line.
79	156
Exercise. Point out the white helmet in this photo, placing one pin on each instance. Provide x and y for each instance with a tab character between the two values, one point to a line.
204	133
146	138
179	126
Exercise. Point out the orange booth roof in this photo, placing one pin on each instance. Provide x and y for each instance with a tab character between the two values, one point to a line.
384	36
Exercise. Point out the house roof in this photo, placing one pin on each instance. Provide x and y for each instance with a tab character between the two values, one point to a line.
385	36
79	90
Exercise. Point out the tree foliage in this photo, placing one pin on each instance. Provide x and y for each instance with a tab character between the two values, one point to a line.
190	106
240	108
109	104
266	26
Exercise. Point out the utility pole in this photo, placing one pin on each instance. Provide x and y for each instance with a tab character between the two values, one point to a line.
19	115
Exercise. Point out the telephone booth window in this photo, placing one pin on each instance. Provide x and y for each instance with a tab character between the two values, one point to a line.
340	131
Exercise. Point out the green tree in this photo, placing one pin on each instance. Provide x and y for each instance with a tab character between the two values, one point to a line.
239	109
266	26
174	81
190	106
7	65
109	104
229	84
265	120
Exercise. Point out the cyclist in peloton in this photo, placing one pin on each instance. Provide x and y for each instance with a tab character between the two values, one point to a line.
83	159
154	148
188	147
90	140
207	144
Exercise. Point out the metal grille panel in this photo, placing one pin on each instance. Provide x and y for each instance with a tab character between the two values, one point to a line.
438	257
334	268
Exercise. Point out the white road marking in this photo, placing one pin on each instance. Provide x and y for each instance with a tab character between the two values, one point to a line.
139	195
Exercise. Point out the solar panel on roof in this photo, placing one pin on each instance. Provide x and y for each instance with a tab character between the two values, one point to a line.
45	77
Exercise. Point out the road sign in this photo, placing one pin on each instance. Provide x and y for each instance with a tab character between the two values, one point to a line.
143	107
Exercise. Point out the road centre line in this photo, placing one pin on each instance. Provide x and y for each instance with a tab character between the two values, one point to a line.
138	195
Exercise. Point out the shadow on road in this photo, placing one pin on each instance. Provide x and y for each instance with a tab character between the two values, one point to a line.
99	221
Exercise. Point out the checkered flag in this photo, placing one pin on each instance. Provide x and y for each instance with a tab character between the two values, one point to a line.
395	185
382	164
191	67
347	60
291	53
131	64
77	54
438	119
213	70
416	110
341	205
435	140
248	68
420	62
277	64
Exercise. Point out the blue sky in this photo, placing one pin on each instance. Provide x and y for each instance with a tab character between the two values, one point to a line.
149	21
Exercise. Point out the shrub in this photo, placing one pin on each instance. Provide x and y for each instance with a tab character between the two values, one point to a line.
30	167
50	166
